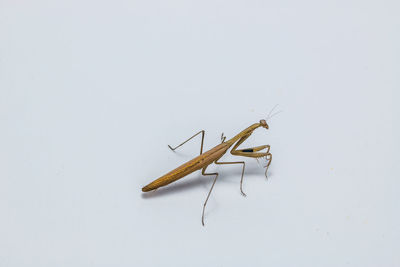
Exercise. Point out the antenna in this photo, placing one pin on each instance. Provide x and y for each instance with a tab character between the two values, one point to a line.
269	114
275	113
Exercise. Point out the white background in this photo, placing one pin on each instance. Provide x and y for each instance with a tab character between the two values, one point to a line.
91	93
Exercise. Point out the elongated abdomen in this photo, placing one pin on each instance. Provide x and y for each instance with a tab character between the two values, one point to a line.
173	175
193	165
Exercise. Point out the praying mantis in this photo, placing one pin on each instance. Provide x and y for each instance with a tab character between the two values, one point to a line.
213	155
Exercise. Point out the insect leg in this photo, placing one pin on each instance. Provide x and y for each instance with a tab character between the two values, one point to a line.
269	163
241	179
202	140
252	152
209	193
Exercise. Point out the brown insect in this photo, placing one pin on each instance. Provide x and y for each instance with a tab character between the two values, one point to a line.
213	155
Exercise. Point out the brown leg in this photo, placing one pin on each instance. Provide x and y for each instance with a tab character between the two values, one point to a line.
202	140
269	163
209	193
252	152
241	179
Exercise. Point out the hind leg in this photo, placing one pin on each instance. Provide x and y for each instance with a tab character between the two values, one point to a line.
201	146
